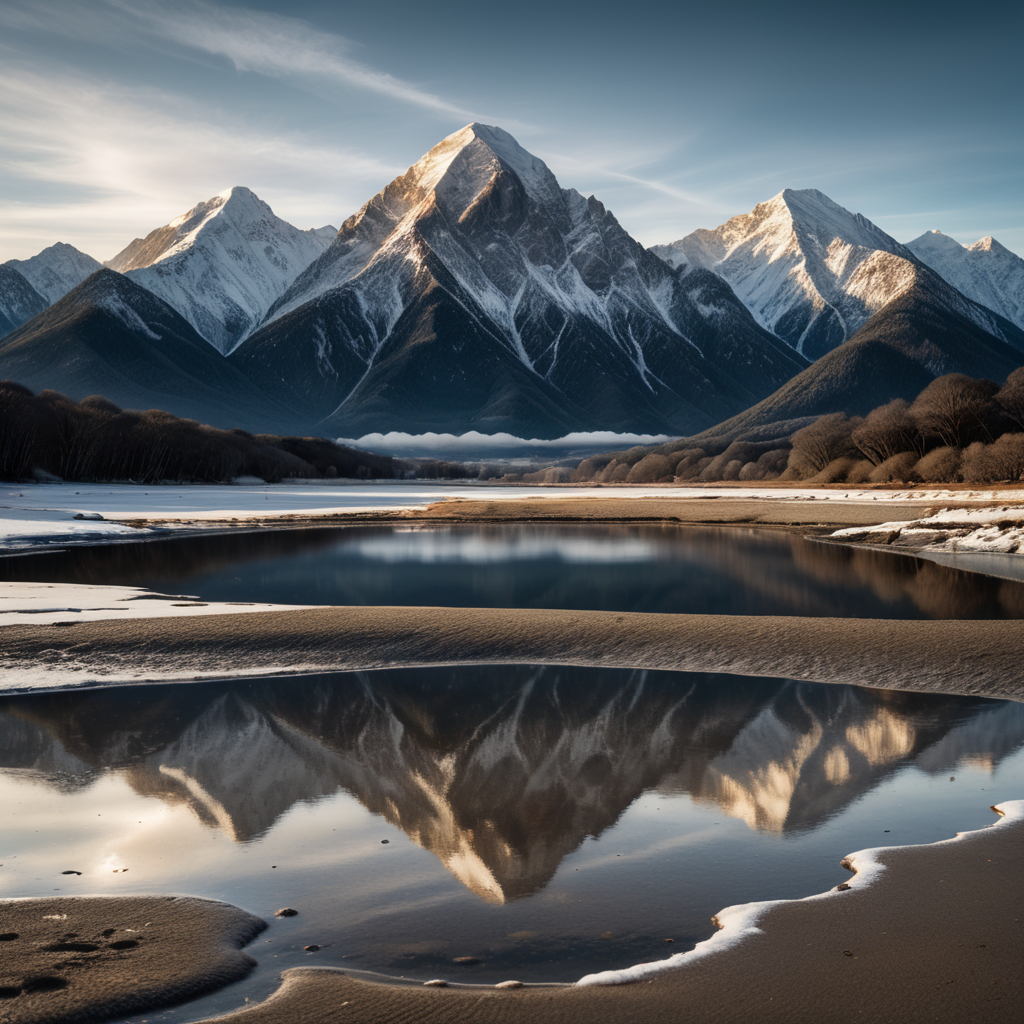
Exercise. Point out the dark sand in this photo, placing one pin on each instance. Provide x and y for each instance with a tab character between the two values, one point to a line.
939	936
970	657
64	960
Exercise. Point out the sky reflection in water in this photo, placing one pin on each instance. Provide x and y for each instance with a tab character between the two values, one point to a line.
644	568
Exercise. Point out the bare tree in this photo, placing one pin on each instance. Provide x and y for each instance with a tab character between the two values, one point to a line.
1011	397
939	466
824	441
957	410
887	431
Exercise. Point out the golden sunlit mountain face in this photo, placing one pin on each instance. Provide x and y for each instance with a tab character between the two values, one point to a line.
500	773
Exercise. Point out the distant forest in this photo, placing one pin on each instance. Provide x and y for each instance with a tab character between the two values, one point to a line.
958	429
48	436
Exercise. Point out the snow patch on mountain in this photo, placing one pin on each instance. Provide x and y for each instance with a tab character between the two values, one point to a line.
809	271
986	271
56	270
223	264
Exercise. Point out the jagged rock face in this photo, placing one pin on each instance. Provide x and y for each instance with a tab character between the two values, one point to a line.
475	291
986	271
223	264
502	772
813	273
19	301
109	336
56	270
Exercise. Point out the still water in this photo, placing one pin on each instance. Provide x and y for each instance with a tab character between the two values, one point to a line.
546	821
642	568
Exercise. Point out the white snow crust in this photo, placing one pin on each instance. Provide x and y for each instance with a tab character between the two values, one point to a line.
42	604
56	270
999	530
986	271
741	921
223	264
35	515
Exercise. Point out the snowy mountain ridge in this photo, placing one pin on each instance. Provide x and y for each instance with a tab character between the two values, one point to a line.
56	270
565	306
810	271
222	264
986	271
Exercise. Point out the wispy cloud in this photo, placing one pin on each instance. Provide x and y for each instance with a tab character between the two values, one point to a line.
258	42
122	165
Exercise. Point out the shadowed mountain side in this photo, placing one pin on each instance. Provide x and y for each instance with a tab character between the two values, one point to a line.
896	354
523	306
109	336
501	773
19	301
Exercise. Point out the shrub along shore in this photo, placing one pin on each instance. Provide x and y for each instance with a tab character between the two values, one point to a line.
958	429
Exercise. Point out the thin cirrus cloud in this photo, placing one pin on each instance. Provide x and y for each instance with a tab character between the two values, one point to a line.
258	42
121	166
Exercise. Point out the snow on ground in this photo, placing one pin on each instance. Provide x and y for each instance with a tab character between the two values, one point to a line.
32	515
998	530
43	604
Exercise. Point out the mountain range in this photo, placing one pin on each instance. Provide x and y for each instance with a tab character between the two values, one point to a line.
475	293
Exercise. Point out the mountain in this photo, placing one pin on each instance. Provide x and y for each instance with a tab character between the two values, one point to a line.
109	336
986	271
912	340
223	264
475	293
19	301
814	274
56	270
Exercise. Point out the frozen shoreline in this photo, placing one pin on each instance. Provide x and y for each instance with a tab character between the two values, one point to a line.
37	516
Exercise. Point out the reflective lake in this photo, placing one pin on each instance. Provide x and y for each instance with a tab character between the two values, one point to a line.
644	568
546	821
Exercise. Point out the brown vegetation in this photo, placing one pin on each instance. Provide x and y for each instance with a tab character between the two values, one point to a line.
48	435
958	429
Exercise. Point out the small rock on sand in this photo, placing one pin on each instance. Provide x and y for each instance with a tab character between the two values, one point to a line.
285	912
509	984
435	983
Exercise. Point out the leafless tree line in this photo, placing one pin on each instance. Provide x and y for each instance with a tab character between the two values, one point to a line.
51	435
958	429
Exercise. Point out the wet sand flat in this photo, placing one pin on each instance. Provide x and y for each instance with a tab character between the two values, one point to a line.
67	959
969	657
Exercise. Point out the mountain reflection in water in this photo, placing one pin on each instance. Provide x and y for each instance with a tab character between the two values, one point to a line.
501	772
621	567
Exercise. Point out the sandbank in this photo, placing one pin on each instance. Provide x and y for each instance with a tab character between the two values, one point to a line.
70	959
969	657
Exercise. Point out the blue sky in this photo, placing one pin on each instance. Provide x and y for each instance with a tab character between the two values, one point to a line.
117	115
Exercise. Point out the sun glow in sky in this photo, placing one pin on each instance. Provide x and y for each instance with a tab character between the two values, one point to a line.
118	115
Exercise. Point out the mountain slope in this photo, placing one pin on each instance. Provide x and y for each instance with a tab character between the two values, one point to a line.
56	270
19	301
109	336
474	292
813	273
986	271
903	347
223	264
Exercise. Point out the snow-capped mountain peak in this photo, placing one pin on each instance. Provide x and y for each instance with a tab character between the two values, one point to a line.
223	264
477	251
986	271
56	270
809	270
